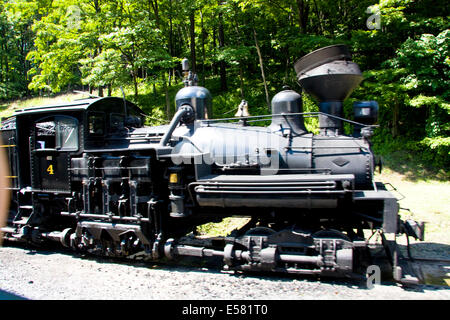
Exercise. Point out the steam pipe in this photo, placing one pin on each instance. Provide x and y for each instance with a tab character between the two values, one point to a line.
185	112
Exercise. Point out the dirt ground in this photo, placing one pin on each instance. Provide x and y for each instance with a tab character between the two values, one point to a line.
424	197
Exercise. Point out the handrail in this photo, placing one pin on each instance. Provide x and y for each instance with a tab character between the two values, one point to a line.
308	114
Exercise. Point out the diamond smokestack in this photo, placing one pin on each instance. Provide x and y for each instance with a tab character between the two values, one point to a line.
329	75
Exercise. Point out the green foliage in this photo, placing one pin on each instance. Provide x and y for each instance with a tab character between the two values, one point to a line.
104	69
428	60
440	151
224	228
418	77
10	90
49	46
311	123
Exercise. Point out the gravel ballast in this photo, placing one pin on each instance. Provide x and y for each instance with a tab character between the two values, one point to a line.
46	275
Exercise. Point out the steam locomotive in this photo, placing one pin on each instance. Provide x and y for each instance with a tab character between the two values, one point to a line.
90	175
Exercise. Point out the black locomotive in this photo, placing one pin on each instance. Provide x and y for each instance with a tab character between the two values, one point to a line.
90	175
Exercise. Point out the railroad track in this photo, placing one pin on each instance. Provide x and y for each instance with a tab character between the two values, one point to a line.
413	266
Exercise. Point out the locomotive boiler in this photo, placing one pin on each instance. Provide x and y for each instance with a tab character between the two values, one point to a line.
90	175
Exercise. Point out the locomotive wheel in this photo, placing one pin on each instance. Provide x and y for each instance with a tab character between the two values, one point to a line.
260	231
331	233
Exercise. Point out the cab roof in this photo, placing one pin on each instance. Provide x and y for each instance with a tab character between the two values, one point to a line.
78	105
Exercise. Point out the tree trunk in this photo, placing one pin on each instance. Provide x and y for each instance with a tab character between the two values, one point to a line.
154	6
395	119
203	48
1	66
97	6
222	66
192	36
170	30
241	79
166	92
238	37
214	64
288	64
171	47
6	63
261	65
318	16
303	12
135	83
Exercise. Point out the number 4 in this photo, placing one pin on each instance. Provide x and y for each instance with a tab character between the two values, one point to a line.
50	169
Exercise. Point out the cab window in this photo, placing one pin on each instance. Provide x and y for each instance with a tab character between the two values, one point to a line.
96	123
67	134
58	132
45	134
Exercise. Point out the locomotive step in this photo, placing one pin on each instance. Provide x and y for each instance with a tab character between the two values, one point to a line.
27	207
8	230
10	234
22	221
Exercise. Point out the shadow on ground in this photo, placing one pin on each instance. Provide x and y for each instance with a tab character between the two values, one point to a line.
431	262
5	295
413	169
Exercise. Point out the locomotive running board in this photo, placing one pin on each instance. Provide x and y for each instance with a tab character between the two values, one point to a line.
286	190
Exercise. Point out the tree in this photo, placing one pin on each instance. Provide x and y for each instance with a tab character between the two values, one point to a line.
412	83
16	40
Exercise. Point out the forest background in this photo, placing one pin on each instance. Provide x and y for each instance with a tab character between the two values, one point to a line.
240	50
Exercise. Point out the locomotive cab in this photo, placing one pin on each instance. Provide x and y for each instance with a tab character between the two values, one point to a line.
45	145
